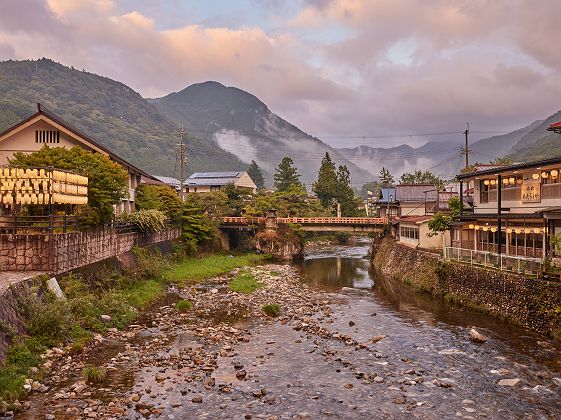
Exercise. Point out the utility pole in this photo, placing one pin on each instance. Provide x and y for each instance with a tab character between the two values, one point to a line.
467	146
181	156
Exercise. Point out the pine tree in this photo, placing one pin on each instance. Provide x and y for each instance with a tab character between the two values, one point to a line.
256	174
287	176
386	178
326	185
421	177
345	195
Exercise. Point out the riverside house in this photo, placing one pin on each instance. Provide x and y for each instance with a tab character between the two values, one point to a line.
201	182
46	128
516	210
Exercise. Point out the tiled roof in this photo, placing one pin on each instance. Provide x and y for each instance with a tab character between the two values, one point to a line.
414	219
416	192
212	175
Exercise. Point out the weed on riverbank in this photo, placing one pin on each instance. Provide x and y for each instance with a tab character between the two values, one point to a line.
119	298
245	283
197	269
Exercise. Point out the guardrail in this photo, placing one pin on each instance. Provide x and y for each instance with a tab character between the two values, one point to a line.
515	264
20	224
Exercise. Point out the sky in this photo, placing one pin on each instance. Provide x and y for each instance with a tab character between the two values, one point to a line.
348	71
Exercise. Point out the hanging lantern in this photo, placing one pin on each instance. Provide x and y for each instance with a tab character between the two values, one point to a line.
476	227
537	230
512	181
486	182
493	229
536	176
527	230
471	226
518	231
485	228
493	182
554	173
544	174
505	181
509	231
519	181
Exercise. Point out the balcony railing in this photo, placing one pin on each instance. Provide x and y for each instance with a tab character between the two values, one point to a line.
523	265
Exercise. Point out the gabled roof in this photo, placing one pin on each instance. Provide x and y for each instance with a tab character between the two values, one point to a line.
416	192
168	180
509	168
46	114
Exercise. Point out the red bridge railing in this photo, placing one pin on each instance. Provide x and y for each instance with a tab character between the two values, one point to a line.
308	220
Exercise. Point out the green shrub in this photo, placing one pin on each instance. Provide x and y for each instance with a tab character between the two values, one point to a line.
145	220
183	305
49	322
245	283
94	374
11	384
21	358
271	309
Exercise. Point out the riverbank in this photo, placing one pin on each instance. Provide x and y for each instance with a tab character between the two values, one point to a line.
94	304
531	303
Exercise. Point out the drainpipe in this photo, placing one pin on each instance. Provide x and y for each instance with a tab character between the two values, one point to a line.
499	208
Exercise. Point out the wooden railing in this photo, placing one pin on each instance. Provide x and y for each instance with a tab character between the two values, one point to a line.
309	220
19	224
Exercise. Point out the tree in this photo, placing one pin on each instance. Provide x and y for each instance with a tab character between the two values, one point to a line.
159	197
107	180
256	174
422	177
326	186
502	160
386	178
287	176
439	223
345	195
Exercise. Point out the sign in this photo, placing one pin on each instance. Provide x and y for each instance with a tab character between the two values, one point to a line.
531	191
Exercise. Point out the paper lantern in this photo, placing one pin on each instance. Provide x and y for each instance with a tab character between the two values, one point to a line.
544	174
493	229
519	181
485	228
505	181
476	227
536	230
536	176
518	231
471	226
554	173
527	230
512	181
486	182
509	230
493	182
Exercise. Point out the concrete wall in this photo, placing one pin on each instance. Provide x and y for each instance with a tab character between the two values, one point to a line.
59	253
531	303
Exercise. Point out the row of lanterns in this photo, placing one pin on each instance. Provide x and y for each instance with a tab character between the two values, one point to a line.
43	199
21	174
508	230
554	174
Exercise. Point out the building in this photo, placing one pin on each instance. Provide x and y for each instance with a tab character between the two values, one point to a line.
387	204
516	209
46	128
201	182
414	231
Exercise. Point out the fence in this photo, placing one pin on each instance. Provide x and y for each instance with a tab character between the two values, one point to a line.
24	224
501	262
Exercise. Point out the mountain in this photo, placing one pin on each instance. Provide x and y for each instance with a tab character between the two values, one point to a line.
239	122
110	112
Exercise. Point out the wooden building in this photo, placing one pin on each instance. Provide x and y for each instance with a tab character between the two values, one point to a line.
46	128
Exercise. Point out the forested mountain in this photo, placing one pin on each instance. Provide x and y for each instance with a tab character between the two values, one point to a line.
110	112
242	124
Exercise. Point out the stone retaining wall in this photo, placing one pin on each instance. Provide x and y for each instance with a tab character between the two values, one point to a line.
58	253
532	303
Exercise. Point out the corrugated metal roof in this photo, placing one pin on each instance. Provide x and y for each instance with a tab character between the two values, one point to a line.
168	180
416	192
210	181
211	175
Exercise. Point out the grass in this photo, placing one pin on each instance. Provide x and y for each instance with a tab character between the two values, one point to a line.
94	374
183	305
73	322
197	269
245	283
271	309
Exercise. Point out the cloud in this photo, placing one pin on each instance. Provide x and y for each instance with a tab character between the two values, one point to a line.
335	67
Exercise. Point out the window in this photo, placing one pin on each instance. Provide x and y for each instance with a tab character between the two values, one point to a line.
215	188
47	136
407	232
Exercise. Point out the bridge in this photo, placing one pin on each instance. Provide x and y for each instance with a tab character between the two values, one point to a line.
309	224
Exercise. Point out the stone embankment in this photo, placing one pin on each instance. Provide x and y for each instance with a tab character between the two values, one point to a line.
531	303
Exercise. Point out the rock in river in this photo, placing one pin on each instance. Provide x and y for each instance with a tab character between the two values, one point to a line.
476	336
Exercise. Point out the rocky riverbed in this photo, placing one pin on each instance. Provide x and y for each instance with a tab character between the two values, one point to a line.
329	353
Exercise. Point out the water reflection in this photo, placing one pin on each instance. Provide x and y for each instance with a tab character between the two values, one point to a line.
332	268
